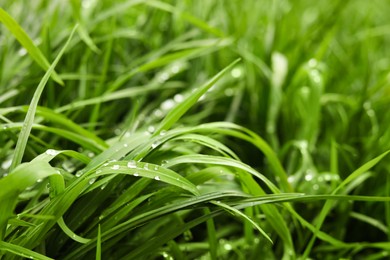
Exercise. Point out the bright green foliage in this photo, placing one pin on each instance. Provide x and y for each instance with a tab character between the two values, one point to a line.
194	129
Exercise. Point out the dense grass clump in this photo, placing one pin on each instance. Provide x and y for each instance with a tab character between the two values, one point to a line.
194	129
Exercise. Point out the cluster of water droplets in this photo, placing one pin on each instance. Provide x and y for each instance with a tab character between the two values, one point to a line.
171	71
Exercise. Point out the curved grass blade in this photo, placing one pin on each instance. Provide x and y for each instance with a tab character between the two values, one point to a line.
27	43
152	171
21	251
245	217
70	233
17	181
27	125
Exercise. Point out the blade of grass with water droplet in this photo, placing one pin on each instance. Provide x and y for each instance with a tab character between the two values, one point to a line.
28	122
18	180
22	251
150	171
328	204
178	111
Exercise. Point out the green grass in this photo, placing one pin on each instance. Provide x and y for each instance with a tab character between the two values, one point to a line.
194	129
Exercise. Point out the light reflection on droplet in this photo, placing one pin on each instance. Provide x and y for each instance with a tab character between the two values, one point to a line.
132	164
155	144
308	177
151	129
51	152
236	73
168	104
178	98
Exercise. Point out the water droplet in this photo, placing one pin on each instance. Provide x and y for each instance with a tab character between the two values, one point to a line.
68	166
236	73
86	4
79	173
163	77
178	98
163	132
105	164
227	247
117	131
155	144
163	162
151	129
175	69
115	167
229	92
312	63
308	177
6	164
291	179
168	104
157	178
103	186
101	217
155	167
22	52
158	113
91	181
316	187
328	177
132	164
136	174
51	152
5	127
91	154
127	134
146	166
39	180
98	171
125	145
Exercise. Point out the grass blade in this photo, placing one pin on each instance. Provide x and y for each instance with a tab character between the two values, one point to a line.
21	251
18	180
28	122
177	112
27	43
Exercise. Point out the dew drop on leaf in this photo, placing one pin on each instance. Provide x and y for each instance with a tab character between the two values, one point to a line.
51	152
132	164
